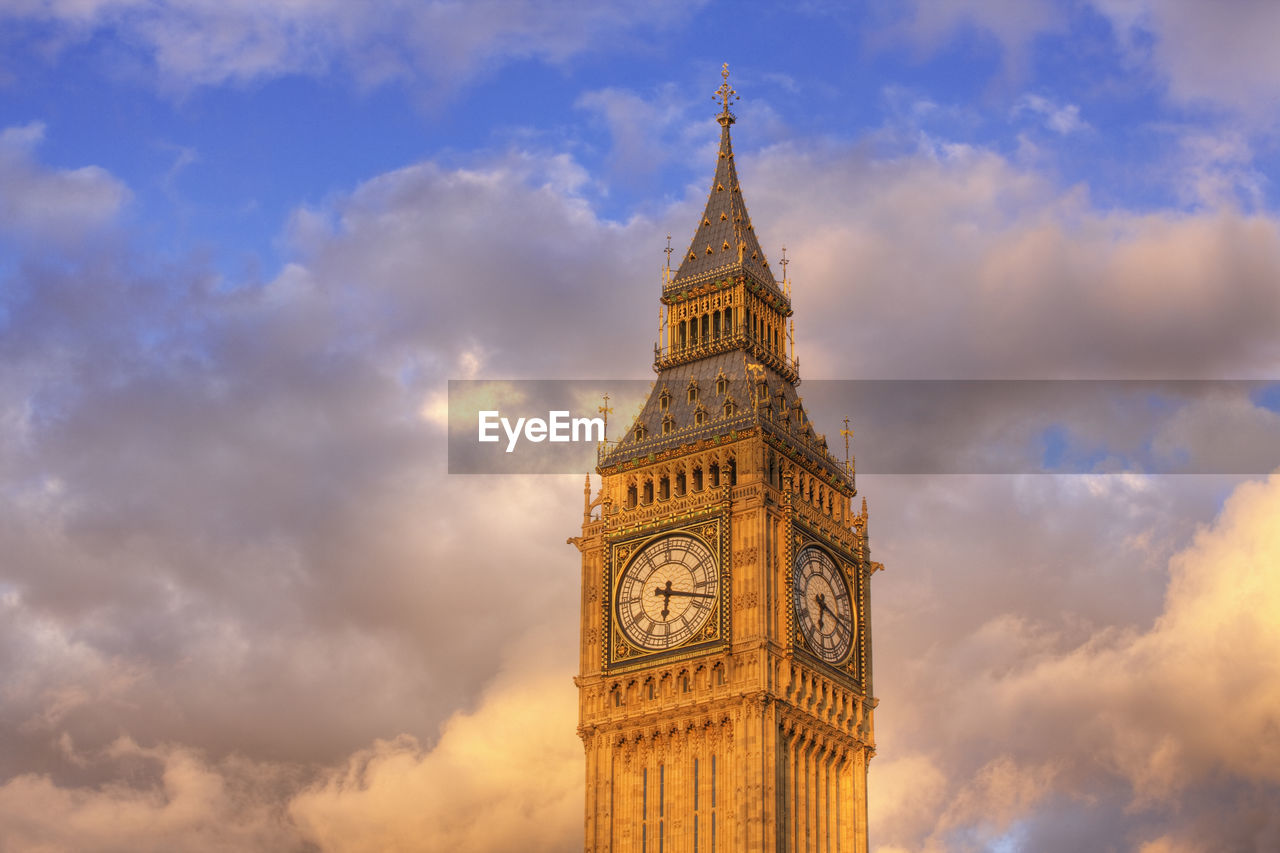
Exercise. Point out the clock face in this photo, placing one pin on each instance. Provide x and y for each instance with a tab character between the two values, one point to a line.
824	611
668	592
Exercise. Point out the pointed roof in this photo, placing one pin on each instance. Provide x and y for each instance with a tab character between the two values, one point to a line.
724	244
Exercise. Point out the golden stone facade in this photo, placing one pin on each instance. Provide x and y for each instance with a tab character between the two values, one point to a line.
725	670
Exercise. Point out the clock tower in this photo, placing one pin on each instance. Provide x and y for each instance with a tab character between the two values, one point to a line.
725	671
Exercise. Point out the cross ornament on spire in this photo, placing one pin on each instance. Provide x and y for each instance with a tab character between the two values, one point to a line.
725	94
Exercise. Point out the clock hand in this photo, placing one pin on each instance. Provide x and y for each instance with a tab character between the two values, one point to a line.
666	598
691	594
823	609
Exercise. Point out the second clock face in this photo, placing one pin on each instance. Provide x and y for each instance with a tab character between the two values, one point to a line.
824	612
668	592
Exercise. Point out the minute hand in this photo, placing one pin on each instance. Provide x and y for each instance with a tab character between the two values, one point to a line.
665	592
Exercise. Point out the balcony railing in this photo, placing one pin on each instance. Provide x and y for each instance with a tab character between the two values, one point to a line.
664	357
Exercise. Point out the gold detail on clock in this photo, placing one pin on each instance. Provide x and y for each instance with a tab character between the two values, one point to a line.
667	594
823	608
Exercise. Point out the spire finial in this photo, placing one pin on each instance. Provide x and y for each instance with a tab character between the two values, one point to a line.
725	94
848	434
605	410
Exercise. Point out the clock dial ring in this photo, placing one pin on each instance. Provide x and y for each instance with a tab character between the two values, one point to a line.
822	605
667	592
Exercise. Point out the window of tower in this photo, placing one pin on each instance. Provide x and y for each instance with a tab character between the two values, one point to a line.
664	488
695	805
722	385
667	425
728	321
662	791
731	467
706	326
644	810
700	417
715	325
683	339
713	803
713	474
697	479
631	496
648	499
693	391
729	408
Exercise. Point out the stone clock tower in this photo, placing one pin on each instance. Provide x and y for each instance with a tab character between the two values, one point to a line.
725	686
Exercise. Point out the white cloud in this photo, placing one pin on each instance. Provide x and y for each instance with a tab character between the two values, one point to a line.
54	205
439	43
1060	118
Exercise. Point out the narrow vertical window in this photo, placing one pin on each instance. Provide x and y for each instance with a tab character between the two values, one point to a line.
713	804
644	810
695	805
662	791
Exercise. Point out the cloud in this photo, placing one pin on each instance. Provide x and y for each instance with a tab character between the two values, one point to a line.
187	804
956	263
1176	721
439	44
228	532
1013	24
1222	54
512	759
56	206
1060	118
504	777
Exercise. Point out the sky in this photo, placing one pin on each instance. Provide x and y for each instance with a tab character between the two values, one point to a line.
244	247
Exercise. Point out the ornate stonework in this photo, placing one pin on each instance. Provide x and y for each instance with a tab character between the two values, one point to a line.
740	736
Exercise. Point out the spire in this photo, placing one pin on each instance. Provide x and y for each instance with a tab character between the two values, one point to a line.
724	244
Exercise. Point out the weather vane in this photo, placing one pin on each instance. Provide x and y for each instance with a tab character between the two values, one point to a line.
725	94
666	272
847	433
605	410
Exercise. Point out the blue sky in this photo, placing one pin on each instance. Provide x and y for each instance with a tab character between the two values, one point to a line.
216	163
244	247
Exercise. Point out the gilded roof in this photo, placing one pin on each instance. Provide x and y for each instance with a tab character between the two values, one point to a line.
730	377
724	244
